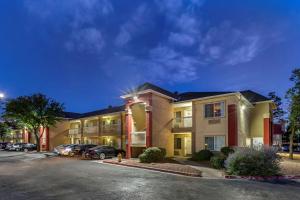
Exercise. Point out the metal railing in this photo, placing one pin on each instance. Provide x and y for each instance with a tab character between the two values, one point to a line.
183	122
138	138
111	128
91	129
74	131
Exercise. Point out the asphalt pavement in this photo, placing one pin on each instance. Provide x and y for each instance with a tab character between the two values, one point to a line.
68	178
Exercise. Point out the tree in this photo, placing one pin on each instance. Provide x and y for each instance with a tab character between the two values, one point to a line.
35	112
293	97
4	130
278	113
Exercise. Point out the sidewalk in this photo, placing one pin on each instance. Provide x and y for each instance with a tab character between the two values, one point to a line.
207	172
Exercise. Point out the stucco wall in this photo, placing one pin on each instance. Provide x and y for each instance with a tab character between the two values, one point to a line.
244	119
59	134
258	113
202	127
162	114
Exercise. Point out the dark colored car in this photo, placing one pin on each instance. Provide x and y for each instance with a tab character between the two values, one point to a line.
80	149
28	147
102	152
3	145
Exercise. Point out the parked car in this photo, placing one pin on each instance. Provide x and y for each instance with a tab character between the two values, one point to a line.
102	152
16	147
8	146
80	149
59	149
28	147
68	150
3	145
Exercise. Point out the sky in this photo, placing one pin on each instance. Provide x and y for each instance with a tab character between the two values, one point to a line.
86	53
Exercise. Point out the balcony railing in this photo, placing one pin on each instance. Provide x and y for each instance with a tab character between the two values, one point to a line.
91	129
74	131
111	128
183	122
138	138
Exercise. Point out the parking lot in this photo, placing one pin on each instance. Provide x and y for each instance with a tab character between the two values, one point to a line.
29	176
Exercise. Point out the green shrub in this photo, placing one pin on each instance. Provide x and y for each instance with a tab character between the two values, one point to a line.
202	155
152	154
253	162
217	162
227	150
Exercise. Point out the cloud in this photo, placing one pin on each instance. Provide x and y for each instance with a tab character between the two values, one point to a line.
134	25
181	39
73	12
230	46
87	40
165	64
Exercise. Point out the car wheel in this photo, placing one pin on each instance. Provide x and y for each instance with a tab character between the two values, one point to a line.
102	156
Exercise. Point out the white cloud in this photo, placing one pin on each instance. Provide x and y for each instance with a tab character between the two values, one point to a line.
132	26
87	40
181	39
230	46
165	64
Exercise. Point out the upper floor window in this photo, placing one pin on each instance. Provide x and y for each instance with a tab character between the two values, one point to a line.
215	110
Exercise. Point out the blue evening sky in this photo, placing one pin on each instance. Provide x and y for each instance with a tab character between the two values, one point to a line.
85	53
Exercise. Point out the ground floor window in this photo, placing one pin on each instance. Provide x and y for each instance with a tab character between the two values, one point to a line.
214	143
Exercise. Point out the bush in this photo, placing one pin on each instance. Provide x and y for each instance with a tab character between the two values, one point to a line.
217	162
253	162
202	155
227	150
152	154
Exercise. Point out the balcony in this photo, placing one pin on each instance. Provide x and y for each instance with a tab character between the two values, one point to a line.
91	129
111	128
74	131
138	139
182	124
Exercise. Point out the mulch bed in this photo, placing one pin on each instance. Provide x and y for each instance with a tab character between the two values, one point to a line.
170	167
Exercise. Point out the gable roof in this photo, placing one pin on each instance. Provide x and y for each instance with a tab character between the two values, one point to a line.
254	97
103	111
150	86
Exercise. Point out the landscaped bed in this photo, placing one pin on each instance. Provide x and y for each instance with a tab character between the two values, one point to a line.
169	166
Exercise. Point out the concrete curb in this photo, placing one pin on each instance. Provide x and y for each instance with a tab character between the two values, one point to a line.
154	169
263	178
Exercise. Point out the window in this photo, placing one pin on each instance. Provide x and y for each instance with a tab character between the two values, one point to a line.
177	143
178	116
214	143
215	110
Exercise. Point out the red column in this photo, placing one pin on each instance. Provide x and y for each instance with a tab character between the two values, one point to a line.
232	125
149	129
47	139
267	131
128	133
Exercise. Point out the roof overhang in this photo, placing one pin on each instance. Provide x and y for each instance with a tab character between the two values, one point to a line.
145	92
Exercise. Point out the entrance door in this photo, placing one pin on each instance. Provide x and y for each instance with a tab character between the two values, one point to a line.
188	145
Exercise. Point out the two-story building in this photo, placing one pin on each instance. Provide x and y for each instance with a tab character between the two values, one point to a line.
182	123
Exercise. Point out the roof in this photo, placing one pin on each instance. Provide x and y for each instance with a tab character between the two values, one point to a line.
71	115
253	97
195	95
150	86
103	111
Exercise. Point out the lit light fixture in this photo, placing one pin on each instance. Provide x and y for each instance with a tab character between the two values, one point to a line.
2	95
135	98
243	107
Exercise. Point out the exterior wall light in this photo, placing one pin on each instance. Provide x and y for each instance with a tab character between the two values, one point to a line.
243	107
2	95
135	98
